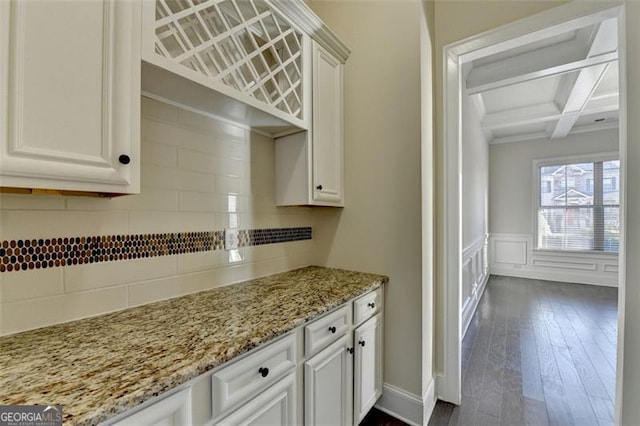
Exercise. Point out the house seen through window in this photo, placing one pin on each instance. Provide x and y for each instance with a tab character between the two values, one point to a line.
579	206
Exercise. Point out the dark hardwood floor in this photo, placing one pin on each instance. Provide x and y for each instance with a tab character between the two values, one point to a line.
538	353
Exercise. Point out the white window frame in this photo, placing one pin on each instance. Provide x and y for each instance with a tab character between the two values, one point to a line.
559	161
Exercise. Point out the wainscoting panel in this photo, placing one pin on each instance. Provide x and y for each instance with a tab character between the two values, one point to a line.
475	272
513	255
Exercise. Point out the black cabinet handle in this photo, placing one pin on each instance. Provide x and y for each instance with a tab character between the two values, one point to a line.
124	159
264	371
350	350
319	187
371	305
332	330
362	343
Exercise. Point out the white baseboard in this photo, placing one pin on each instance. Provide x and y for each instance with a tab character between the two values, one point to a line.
565	277
428	401
401	404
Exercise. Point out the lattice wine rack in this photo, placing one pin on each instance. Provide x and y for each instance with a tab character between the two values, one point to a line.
244	44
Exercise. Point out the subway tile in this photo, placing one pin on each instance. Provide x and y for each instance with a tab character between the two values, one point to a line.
152	108
169	178
148	199
271	251
232	185
234	220
230	148
193	262
32	313
35	313
96	302
31	202
158	154
175	135
197	161
230	167
31	284
153	222
97	275
16	224
197	221
140	293
202	202
207	124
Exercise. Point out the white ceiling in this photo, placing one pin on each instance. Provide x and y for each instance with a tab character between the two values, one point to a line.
550	87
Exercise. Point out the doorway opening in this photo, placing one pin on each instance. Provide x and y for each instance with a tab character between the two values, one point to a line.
534	89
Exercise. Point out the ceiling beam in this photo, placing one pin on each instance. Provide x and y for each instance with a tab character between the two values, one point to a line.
543	113
604	40
548	69
518	138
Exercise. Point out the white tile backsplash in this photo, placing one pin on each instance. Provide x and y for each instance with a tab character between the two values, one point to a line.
198	174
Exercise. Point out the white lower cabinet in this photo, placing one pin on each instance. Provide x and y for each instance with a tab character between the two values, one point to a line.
325	372
368	366
275	406
174	410
328	385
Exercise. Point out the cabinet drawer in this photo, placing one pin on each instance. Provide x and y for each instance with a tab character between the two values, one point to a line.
235	384
368	305
327	329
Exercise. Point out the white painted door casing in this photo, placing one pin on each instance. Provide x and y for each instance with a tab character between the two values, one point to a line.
71	75
328	385
368	366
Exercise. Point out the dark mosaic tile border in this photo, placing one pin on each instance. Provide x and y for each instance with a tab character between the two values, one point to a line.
22	255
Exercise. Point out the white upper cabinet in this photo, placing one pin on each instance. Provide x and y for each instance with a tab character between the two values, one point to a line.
327	127
309	165
70	95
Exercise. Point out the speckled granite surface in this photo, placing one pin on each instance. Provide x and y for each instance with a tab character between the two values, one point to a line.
102	366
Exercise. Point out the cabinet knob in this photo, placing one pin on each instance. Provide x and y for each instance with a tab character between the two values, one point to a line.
319	187
124	159
350	350
332	329
264	371
362	343
371	305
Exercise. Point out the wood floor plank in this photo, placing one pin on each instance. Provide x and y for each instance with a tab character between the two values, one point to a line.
557	408
539	353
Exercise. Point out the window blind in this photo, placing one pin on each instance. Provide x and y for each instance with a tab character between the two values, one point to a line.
579	206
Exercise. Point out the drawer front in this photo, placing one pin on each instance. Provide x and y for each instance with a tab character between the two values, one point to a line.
235	384
327	329
367	306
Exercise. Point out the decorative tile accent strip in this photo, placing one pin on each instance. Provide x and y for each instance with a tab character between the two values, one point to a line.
22	255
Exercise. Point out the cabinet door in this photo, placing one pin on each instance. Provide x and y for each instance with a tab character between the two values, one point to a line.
328	385
275	406
368	366
327	128
171	411
70	104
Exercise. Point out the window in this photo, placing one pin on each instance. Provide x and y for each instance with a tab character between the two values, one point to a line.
578	205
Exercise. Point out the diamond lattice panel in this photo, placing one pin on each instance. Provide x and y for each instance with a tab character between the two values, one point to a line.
242	43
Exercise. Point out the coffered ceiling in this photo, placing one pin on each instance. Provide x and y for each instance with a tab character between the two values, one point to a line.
548	88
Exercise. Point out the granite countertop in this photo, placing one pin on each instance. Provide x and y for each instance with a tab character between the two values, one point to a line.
102	366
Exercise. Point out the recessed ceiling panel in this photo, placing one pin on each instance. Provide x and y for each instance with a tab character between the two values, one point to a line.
532	92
